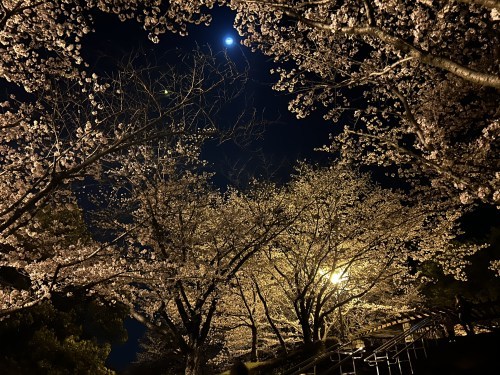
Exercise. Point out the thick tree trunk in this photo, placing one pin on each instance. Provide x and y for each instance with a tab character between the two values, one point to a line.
253	353
306	330
194	362
318	329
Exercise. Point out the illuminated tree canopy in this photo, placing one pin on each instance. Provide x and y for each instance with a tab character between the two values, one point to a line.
105	192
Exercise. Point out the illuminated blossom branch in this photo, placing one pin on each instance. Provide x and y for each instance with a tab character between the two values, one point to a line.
76	134
412	76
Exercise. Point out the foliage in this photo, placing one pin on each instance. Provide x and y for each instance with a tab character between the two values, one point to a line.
243	315
341	264
61	123
67	336
482	285
158	354
416	83
186	241
41	40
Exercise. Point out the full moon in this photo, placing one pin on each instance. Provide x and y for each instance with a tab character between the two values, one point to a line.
228	41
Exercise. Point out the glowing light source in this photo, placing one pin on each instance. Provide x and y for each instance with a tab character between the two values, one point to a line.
228	41
336	277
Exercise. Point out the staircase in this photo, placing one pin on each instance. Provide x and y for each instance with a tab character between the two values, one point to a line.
416	347
467	355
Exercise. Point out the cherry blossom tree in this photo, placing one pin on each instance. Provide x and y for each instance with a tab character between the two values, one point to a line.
191	241
242	315
416	81
255	314
71	138
248	317
427	70
348	252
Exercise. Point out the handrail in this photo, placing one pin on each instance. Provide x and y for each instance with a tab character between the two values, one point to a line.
410	344
314	360
306	362
388	344
341	361
395	340
484	310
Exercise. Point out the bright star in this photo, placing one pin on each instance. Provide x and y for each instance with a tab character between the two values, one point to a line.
228	41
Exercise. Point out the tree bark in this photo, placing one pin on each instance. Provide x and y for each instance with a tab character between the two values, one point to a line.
303	316
194	362
253	353
318	326
306	331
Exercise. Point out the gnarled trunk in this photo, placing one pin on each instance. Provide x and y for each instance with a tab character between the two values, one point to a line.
194	362
306	329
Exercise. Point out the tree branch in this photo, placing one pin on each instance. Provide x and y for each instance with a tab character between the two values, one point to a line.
399	44
268	316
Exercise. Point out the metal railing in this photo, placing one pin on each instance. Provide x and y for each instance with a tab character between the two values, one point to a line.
390	351
334	350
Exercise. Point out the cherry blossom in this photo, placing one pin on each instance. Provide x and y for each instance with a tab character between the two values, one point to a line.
416	82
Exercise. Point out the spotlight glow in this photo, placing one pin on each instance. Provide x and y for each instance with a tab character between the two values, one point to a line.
339	276
228	41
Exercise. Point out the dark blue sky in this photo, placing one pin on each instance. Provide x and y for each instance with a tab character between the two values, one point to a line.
285	140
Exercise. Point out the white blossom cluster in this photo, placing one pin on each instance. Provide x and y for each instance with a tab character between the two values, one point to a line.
42	39
416	82
80	137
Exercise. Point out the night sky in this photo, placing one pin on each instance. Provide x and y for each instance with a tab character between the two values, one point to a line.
284	141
